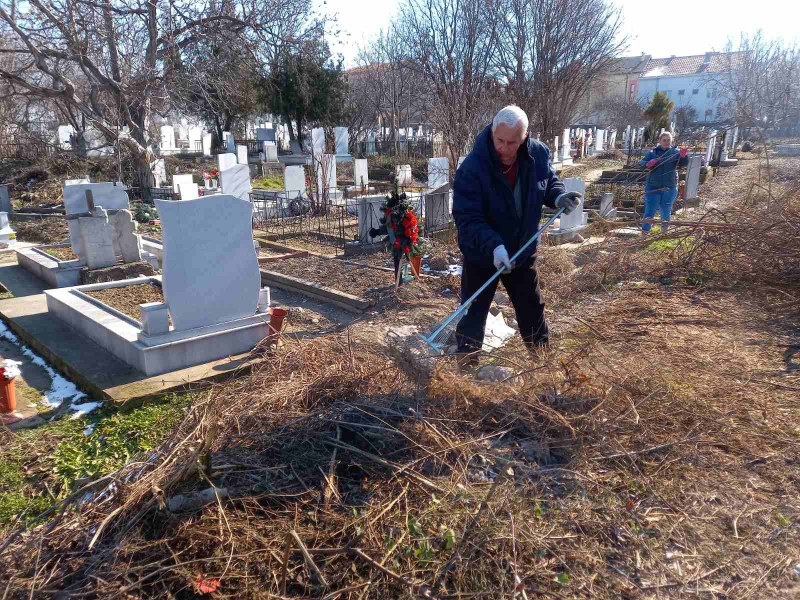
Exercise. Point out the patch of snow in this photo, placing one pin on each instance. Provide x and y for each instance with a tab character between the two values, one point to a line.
80	410
657	72
454	269
61	389
497	332
89	430
11	368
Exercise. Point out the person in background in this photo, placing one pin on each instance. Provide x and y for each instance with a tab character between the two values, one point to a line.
661	187
498	195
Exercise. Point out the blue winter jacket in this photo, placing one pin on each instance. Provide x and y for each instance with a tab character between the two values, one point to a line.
483	201
665	175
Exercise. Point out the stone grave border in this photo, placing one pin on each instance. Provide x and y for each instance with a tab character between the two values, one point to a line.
56	273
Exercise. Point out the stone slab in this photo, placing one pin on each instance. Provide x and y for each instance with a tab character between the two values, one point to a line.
208	283
188	191
294	181
105	194
361	172
97	240
54	273
241	155
5	200
342	140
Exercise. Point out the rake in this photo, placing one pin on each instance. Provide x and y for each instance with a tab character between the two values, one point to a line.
440	335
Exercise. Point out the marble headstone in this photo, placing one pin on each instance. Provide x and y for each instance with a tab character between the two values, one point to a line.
318	141
404	176
236	182
270	151
294	181
361	172
230	143
97	239
159	169
241	155
438	172
177	180
106	194
167	137
206	144
342	138
226	161
564	145
126	241
188	190
208	283
576	218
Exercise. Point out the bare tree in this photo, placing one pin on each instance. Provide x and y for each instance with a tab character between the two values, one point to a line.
114	62
451	44
619	111
760	80
551	51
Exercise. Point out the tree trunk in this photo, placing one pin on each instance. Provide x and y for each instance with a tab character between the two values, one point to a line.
144	176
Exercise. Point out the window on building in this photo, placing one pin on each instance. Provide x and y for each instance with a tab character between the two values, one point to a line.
681	92
695	92
709	114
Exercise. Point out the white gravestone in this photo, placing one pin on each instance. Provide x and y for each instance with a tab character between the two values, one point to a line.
241	155
598	140
97	240
404	176
65	133
361	172
270	151
369	217
711	141
205	284
438	172
177	180
6	232
342	138
226	161
461	159
5	200
607	210
236	182
106	194
188	190
576	219
692	178
317	141
230	143
326	173
126	241
564	155
76	181
206	144
159	169
167	137
195	135
294	181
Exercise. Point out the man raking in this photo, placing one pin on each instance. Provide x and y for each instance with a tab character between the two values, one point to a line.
498	193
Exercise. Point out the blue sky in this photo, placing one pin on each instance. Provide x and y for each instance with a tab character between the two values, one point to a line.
660	28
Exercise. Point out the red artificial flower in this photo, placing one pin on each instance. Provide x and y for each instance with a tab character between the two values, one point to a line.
396	244
406	249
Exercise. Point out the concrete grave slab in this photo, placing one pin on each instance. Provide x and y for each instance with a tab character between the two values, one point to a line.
294	181
206	284
342	139
369	217
241	155
106	194
188	191
692	178
97	239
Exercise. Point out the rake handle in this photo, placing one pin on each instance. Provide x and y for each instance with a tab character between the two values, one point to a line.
466	304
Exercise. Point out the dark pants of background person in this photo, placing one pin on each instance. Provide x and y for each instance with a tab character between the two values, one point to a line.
522	285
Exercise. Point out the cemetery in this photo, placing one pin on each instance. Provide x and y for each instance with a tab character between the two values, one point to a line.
272	323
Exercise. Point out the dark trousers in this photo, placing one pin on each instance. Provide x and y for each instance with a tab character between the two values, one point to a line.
522	285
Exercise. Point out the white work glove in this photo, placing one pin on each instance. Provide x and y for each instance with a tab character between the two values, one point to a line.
501	258
569	201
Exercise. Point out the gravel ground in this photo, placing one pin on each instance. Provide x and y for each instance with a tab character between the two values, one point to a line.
61	253
43	231
127	299
334	273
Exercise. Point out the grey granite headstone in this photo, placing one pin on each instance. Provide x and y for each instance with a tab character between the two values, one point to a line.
437	211
369	216
208	283
5	200
106	195
294	181
97	240
692	178
126	241
342	138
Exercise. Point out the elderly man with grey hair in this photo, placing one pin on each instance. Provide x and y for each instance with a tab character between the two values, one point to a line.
498	194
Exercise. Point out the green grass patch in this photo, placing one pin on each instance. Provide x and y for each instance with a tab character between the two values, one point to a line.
40	466
273	182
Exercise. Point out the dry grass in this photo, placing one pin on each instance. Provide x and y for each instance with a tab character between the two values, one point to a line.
42	231
127	299
652	452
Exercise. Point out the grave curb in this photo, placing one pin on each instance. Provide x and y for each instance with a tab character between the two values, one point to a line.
317	291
